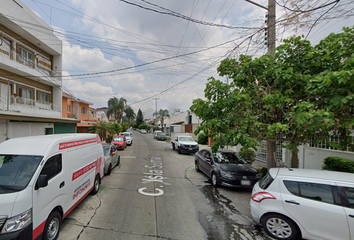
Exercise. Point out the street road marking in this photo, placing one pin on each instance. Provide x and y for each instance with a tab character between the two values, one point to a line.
155	174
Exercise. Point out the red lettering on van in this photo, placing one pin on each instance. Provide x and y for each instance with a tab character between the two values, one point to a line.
84	170
65	145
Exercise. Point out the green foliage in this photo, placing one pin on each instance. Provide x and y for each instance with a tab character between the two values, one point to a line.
148	128
248	154
202	138
116	107
262	172
143	126
139	118
161	115
125	127
303	93
116	127
338	164
109	138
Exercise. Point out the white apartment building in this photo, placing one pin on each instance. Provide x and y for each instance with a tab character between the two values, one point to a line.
30	74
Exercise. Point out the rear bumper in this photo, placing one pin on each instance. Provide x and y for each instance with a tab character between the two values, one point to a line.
247	183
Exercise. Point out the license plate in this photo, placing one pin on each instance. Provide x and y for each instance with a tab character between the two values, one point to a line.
245	182
191	149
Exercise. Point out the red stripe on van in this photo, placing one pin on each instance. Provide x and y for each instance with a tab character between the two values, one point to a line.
38	230
71	144
77	203
84	170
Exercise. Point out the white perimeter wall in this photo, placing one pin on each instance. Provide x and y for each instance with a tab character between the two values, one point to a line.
312	158
22	129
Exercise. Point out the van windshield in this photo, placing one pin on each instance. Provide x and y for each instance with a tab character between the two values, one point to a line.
16	171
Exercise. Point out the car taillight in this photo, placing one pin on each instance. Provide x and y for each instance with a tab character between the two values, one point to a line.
259	197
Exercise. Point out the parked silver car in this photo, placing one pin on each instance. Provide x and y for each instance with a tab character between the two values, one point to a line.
304	203
111	157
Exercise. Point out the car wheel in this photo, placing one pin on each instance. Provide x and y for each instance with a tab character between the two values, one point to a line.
96	185
280	227
179	150
197	166
52	226
118	163
173	147
214	180
109	169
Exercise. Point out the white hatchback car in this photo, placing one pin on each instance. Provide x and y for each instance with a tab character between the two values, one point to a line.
304	203
129	137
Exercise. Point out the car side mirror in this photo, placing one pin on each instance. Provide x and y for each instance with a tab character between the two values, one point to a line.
113	153
42	181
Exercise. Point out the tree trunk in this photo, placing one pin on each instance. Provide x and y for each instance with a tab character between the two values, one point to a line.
294	159
271	150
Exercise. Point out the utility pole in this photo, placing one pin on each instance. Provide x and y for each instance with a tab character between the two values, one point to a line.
156	111
271	144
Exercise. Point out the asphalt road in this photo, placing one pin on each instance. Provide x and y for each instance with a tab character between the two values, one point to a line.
157	194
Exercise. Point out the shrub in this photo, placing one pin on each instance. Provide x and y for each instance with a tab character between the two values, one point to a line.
109	138
202	138
248	154
262	172
338	164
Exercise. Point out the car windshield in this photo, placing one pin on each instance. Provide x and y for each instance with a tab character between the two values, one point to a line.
105	149
186	139
16	171
118	139
161	134
228	158
126	134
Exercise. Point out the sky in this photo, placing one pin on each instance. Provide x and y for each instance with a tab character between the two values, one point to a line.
159	54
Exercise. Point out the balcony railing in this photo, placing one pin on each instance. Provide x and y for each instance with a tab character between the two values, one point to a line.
27	105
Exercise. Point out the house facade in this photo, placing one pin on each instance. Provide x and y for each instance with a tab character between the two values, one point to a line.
30	74
180	122
78	109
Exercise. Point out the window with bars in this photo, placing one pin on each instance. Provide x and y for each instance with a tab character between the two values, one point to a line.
25	94
25	56
69	108
83	110
43	97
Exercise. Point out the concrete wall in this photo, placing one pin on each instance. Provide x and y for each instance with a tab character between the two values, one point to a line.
3	127
23	129
312	158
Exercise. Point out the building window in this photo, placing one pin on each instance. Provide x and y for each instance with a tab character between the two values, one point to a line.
83	111
69	108
43	97
25	94
25	56
5	47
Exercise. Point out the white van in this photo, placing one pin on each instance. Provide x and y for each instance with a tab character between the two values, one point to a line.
43	178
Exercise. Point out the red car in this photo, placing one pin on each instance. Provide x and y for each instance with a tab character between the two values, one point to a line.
119	141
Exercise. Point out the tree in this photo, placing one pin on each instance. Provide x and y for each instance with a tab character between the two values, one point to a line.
116	108
116	127
129	113
139	118
304	93
160	115
102	129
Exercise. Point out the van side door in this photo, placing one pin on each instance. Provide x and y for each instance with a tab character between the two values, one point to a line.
347	191
46	198
316	206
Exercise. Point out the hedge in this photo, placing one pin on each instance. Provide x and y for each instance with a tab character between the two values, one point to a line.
338	164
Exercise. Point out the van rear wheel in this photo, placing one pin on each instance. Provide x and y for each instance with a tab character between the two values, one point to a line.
96	185
52	226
